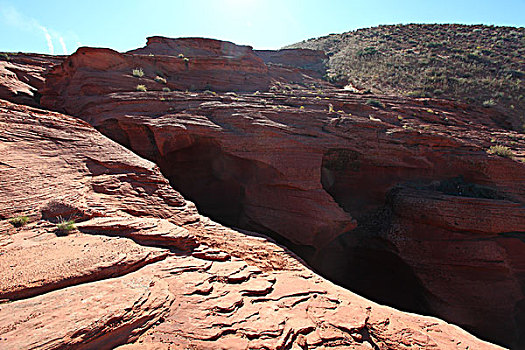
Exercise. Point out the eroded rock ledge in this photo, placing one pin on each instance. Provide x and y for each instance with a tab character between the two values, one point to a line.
143	267
326	171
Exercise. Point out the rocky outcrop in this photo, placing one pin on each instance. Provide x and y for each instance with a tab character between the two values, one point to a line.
142	269
312	61
399	199
195	47
100	71
22	75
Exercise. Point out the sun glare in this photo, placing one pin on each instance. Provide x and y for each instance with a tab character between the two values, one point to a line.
240	7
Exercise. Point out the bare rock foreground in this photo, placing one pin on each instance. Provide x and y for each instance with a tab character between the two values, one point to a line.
395	197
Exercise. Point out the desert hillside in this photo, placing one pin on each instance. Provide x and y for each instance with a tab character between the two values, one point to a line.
476	64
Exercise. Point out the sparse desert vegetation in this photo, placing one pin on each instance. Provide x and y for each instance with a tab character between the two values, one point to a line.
476	64
138	72
19	221
64	227
160	79
502	151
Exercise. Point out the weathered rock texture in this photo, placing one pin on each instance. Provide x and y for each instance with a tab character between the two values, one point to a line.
143	268
398	199
313	61
21	75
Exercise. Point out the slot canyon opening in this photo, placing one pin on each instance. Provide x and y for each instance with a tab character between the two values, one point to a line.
220	185
226	188
362	260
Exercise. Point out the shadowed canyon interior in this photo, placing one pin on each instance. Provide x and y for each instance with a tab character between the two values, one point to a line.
364	259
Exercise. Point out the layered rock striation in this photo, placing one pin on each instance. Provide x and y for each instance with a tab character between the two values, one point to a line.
22	75
143	269
402	200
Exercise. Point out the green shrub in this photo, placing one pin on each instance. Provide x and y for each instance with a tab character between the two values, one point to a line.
141	88
160	79
434	45
375	103
501	151
489	103
138	72
19	221
5	56
367	51
418	94
166	89
64	227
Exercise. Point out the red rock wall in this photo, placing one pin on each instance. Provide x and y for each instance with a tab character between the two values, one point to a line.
359	188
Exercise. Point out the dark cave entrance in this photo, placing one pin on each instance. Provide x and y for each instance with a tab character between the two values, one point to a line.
217	182
363	260
209	178
220	185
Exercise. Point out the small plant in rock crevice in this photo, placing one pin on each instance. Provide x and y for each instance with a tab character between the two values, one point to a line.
375	103
489	103
501	151
138	72
141	88
160	80
19	221
64	227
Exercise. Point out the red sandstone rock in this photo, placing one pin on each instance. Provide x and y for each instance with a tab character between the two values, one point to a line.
320	168
32	265
262	296
312	61
21	75
92	72
193	47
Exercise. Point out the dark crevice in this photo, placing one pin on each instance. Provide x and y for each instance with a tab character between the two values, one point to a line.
230	189
364	262
367	261
215	181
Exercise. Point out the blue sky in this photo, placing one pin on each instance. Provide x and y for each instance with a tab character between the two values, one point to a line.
59	27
